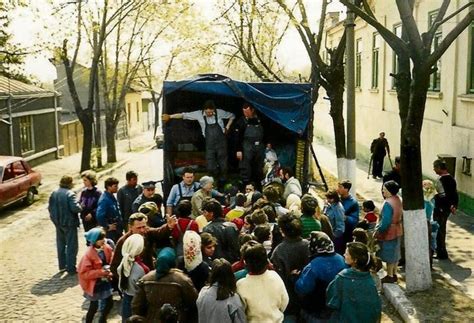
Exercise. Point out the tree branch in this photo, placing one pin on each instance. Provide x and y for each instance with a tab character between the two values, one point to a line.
429	35
406	14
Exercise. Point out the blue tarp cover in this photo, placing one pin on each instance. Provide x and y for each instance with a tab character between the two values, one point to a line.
287	104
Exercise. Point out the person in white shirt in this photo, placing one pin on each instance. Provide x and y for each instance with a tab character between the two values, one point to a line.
211	121
262	291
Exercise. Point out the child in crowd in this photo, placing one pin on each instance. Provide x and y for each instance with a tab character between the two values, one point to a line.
219	302
130	270
262	291
95	275
370	219
352	295
208	247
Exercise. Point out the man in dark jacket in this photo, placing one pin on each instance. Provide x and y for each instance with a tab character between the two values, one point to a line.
379	148
446	202
250	145
127	194
226	233
63	211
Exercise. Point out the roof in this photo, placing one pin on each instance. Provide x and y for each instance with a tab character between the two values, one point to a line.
17	88
8	159
288	104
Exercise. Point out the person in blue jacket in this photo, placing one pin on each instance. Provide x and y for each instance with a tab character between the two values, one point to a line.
313	280
352	295
108	212
351	208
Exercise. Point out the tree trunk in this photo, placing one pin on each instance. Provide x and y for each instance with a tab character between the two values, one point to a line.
110	138
336	100
87	143
418	273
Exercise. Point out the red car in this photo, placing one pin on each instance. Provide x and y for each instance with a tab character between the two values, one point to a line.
18	181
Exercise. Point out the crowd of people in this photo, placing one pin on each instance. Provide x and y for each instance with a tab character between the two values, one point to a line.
270	256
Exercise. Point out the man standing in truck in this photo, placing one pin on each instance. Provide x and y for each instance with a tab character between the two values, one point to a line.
211	121
250	149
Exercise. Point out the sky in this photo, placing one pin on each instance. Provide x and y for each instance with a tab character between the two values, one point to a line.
291	54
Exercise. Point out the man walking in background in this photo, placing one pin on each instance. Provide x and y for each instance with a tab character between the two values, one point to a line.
379	148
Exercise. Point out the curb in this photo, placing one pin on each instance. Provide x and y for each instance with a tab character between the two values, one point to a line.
454	283
26	222
402	304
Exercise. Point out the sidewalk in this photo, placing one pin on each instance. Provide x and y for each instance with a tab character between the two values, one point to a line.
458	270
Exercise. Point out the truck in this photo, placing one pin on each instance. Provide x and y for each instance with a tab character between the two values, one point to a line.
285	109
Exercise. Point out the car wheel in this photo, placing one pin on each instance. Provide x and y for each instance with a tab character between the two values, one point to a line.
30	196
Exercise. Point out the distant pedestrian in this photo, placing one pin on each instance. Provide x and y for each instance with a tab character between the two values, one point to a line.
108	211
219	302
95	275
446	203
389	230
352	295
127	194
89	199
64	212
379	148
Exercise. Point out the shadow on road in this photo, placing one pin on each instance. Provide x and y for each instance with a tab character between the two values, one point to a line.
457	272
58	283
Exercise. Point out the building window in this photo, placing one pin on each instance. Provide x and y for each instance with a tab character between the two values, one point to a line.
397	30
26	134
375	60
129	112
435	77
358	62
471	77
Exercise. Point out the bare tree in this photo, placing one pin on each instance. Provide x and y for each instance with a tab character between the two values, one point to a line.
412	86
106	23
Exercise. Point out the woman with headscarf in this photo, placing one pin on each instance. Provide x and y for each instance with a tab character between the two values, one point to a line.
130	270
165	284
95	275
194	265
388	230
311	284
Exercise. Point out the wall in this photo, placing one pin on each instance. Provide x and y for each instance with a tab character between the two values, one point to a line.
449	114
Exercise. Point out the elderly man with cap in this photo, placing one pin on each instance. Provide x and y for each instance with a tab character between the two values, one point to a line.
148	195
211	121
206	183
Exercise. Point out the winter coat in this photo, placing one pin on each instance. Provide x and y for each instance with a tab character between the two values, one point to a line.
90	268
175	288
64	208
354	298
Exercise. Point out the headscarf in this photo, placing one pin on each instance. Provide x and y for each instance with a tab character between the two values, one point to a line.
320	243
165	260
132	247
92	235
429	191
191	250
293	203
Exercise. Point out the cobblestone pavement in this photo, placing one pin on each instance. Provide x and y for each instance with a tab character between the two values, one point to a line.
32	288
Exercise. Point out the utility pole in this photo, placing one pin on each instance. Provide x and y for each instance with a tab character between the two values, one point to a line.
98	139
350	99
10	119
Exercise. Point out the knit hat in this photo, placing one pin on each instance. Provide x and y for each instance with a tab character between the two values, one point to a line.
132	247
92	235
191	250
392	187
165	260
206	180
320	243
